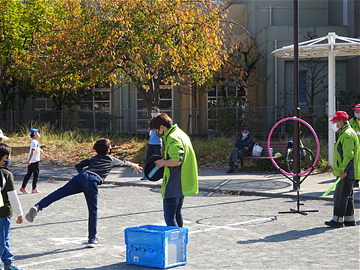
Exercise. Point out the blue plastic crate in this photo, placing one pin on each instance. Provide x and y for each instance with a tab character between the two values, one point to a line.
156	246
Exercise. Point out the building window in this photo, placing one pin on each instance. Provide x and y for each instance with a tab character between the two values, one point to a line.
213	96
94	110
98	100
43	104
165	106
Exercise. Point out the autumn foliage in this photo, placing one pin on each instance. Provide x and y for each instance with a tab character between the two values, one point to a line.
146	42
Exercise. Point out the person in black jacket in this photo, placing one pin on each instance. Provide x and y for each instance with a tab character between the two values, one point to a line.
242	148
92	172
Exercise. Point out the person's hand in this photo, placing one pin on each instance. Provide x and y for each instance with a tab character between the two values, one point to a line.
342	175
20	219
137	168
160	163
28	163
246	147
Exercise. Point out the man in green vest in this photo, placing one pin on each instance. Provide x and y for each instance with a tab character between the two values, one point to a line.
346	158
355	124
180	176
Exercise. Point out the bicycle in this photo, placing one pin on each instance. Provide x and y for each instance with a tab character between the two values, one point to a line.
306	157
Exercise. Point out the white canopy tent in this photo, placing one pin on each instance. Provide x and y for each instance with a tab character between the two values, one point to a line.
325	47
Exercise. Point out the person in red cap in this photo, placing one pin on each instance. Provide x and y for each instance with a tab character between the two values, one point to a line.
346	158
355	124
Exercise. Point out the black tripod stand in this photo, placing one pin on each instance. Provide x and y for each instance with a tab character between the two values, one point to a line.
297	182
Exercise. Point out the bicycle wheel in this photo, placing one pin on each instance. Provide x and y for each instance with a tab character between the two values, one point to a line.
289	160
306	159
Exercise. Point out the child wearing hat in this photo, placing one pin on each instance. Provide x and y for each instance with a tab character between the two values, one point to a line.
33	162
355	124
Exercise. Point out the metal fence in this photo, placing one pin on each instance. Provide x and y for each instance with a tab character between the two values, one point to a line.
196	121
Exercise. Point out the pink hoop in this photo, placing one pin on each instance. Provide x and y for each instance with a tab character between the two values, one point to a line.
313	132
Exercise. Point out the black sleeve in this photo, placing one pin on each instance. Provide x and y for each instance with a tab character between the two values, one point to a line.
84	163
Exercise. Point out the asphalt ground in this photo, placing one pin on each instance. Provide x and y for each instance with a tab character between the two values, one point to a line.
225	231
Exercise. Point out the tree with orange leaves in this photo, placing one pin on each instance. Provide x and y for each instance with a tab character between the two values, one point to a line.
149	43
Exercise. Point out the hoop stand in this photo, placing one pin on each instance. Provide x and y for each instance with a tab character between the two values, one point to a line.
303	212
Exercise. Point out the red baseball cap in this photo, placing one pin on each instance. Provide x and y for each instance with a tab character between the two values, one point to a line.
340	116
357	107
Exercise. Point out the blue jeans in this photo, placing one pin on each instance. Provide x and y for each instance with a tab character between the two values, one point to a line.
172	211
83	182
6	255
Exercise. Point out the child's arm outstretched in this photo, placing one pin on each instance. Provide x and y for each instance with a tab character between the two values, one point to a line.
137	168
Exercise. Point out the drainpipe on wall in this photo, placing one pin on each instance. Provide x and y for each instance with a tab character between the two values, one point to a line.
270	15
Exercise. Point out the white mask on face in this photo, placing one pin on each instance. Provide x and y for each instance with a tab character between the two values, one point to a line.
153	115
357	115
334	127
245	136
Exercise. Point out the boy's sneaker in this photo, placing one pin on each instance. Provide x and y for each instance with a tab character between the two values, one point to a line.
13	267
35	191
143	178
93	243
32	214
23	190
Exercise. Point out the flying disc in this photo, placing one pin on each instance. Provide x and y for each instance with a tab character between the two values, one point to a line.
152	172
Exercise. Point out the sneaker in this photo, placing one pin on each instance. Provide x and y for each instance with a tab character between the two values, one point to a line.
332	223
230	170
143	178
23	190
13	267
35	191
356	184
93	243
32	214
349	223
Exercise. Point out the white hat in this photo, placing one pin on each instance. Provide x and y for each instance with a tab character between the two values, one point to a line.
2	135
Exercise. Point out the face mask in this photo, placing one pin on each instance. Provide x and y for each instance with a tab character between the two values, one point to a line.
334	127
153	115
6	162
158	134
245	136
357	115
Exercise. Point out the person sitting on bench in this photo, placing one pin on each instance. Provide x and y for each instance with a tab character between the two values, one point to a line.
242	148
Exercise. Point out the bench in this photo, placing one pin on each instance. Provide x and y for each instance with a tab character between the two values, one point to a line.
278	147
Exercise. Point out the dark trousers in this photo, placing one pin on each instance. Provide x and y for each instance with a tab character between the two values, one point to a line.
235	154
172	211
344	198
83	182
33	168
153	149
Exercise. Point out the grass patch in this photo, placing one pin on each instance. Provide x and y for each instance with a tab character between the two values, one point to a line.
69	147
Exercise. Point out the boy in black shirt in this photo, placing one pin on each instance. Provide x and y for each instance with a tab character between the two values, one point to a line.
87	181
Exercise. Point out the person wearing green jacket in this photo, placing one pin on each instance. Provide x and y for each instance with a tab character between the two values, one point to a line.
355	124
346	158
180	176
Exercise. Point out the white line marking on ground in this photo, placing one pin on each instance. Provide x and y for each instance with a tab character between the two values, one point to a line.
228	226
219	186
69	258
